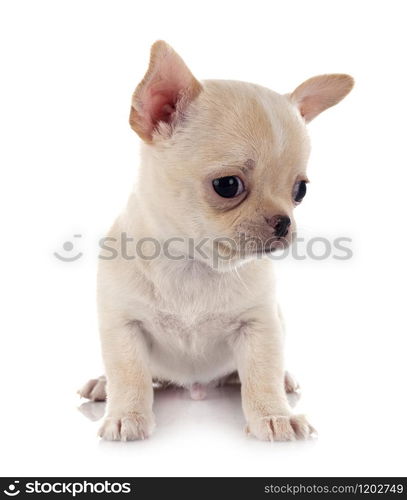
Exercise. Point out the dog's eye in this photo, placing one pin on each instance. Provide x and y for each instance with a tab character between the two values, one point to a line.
300	188
228	187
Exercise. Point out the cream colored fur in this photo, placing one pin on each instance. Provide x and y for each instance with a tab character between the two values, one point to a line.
187	321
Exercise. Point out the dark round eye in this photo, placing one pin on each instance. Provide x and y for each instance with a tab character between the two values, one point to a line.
300	188
228	187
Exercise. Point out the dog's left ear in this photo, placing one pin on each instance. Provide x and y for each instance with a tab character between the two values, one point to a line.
321	92
164	93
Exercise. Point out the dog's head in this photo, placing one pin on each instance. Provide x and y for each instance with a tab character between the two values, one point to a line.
224	159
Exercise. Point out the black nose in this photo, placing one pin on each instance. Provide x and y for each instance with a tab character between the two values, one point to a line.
280	223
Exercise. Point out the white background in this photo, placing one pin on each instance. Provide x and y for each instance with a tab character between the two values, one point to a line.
68	161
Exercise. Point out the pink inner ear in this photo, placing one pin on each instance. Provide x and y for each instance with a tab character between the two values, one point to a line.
157	103
312	105
161	104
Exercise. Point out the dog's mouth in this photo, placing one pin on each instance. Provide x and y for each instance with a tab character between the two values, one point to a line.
279	244
264	248
246	248
261	242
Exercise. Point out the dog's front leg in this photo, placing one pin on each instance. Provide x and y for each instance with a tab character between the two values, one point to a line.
259	356
129	384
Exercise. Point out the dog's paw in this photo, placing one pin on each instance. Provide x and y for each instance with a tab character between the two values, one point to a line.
95	389
281	428
127	428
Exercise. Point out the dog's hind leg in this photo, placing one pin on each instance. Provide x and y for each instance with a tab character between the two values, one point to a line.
290	384
94	389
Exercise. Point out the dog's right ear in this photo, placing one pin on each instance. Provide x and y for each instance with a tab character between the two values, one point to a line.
164	93
320	93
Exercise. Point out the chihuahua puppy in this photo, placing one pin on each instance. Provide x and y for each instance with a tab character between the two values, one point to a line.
223	167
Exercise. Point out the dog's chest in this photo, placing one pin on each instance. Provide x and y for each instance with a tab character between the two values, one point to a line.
192	322
193	335
194	351
195	312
